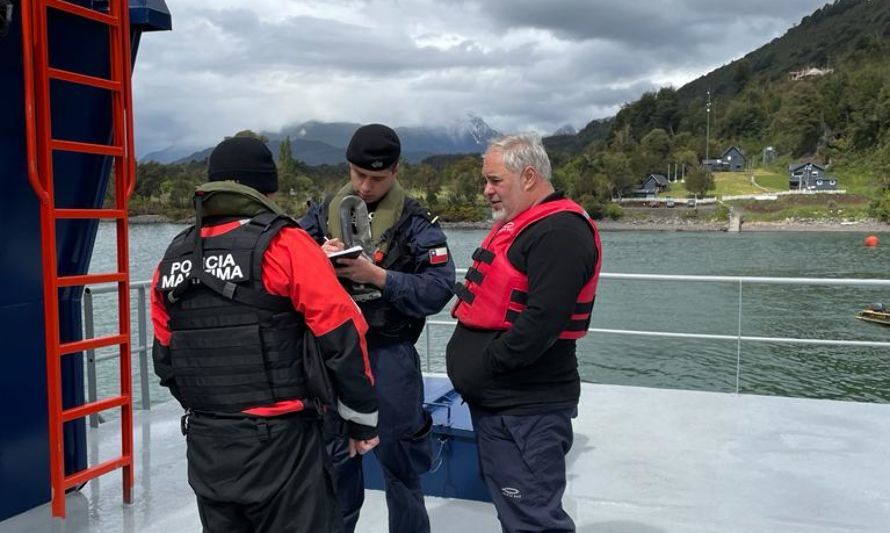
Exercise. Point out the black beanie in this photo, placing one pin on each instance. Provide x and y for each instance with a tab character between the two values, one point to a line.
246	160
374	147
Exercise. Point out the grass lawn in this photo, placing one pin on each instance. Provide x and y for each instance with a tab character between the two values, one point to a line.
809	207
735	183
773	181
677	190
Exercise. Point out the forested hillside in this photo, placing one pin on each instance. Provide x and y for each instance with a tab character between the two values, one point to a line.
837	115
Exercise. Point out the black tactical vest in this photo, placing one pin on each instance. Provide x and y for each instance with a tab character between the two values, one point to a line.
233	345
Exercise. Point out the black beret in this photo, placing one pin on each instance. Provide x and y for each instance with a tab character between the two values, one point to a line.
246	160
374	147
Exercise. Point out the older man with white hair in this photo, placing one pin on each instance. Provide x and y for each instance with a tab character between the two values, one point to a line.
525	302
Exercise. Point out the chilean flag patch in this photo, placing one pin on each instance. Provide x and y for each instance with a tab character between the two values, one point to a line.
439	256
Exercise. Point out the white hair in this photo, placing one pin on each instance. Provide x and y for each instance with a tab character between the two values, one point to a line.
523	150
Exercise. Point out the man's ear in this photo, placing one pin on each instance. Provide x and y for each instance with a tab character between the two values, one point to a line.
529	178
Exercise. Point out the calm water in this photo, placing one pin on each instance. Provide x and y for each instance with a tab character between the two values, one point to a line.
767	310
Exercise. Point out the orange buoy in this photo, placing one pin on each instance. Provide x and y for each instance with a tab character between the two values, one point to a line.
871	241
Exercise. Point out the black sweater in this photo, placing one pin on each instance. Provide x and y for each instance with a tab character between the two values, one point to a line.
529	369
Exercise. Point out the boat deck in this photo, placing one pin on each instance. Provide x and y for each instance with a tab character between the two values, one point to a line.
644	461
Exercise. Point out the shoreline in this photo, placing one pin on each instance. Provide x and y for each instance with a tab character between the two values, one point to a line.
606	225
671	224
864	226
867	226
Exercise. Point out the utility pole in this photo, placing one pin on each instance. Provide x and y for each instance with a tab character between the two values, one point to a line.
708	131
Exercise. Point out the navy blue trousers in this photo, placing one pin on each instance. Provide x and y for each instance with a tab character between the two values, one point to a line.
523	462
404	451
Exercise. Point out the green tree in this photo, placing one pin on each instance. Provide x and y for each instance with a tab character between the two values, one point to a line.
880	206
882	165
864	99
618	173
699	181
655	149
639	116
742	73
181	193
797	124
570	177
252	134
686	157
667	110
686	141
466	182
149	177
743	119
286	161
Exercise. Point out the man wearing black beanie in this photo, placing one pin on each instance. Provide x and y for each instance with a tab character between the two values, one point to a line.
238	300
412	269
245	160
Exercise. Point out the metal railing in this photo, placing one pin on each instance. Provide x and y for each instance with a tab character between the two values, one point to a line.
141	349
738	337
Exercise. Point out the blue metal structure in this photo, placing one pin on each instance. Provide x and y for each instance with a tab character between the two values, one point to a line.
79	114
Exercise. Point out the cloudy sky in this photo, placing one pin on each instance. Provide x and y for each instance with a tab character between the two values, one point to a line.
520	64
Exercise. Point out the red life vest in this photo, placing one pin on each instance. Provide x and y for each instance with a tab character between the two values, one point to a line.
495	293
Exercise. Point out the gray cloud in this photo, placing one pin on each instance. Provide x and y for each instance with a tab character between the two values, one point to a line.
230	65
642	23
313	43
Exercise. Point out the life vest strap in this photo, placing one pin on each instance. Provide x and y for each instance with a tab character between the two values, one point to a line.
475	276
519	297
463	293
483	255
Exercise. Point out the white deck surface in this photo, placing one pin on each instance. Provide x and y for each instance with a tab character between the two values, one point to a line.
644	461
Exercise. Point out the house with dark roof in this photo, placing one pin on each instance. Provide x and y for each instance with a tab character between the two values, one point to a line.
651	186
714	165
732	160
811	177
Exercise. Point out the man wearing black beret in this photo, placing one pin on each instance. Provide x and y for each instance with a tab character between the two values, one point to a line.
414	272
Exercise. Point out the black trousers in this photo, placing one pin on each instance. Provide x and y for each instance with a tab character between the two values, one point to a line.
261	475
523	463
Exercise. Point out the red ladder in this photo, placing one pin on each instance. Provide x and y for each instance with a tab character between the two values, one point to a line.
41	146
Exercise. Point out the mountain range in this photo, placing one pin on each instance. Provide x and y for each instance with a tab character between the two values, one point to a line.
321	143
